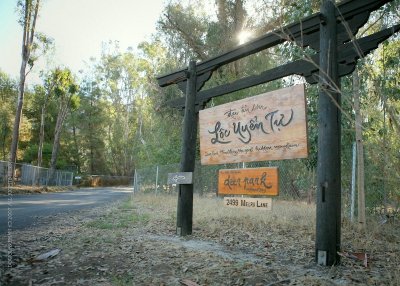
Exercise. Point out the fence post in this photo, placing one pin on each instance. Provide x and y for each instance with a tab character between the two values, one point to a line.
156	180
353	182
47	177
136	182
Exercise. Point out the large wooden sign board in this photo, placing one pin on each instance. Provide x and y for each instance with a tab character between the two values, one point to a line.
270	126
251	181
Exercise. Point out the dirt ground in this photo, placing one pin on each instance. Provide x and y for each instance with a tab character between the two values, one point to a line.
134	243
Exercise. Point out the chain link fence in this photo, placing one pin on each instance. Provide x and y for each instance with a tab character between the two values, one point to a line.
29	175
103	181
296	182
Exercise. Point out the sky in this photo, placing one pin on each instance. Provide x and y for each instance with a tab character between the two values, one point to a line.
78	28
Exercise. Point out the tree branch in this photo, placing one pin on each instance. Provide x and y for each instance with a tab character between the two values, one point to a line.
188	39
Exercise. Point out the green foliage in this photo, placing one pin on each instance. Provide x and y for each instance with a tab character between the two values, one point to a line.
63	84
31	152
8	96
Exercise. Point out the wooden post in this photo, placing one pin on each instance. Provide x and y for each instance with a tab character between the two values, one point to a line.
156	180
185	198
328	170
360	152
353	182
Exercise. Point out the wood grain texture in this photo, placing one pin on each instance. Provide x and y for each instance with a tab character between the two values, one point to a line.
251	181
270	126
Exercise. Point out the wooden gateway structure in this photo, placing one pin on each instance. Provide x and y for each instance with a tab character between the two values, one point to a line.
331	34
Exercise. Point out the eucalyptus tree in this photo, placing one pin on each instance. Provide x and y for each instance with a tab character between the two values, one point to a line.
381	109
45	92
32	45
65	93
87	124
196	31
8	95
119	83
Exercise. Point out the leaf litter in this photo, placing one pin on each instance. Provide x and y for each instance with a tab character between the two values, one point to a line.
134	243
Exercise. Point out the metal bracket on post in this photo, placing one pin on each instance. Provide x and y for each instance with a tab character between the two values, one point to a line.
322	258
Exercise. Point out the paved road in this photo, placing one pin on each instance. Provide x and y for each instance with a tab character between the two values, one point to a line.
27	210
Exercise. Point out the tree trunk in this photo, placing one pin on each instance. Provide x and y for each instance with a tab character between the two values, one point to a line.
78	160
4	134
29	32
41	132
17	120
41	141
56	147
360	151
91	145
56	144
41	136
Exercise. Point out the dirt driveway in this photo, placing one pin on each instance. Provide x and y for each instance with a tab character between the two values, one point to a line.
134	243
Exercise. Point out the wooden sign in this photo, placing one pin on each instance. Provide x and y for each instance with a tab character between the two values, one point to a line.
250	203
270	126
182	178
253	182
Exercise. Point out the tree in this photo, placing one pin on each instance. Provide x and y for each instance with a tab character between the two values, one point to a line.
8	94
65	91
45	92
30	10
32	44
88	124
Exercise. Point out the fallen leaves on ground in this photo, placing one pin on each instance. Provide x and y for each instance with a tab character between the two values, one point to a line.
45	256
134	243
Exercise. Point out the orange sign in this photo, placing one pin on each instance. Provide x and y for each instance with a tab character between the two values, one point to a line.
253	182
270	126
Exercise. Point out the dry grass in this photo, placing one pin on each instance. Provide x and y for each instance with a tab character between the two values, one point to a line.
288	231
20	189
284	214
134	243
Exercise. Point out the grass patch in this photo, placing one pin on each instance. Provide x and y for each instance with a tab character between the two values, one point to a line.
122	280
127	205
284	215
102	224
122	216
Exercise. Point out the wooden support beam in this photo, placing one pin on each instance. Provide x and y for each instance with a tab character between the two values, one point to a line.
328	167
200	81
185	197
305	32
348	54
